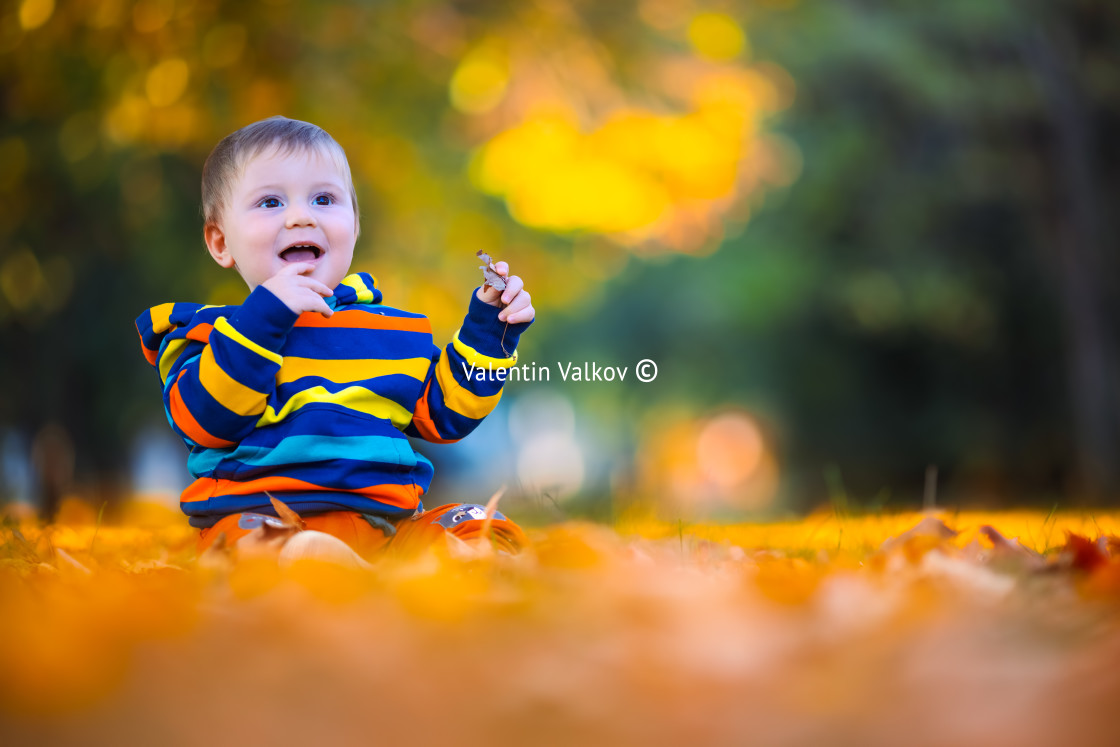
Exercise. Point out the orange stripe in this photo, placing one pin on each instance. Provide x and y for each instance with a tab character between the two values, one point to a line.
151	355
354	319
422	419
200	332
186	422
204	488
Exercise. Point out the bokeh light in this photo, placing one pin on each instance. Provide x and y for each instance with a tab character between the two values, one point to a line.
550	460
705	466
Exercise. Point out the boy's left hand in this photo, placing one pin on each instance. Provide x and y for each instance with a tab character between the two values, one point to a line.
518	306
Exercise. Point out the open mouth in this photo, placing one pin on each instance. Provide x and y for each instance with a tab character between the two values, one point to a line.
301	253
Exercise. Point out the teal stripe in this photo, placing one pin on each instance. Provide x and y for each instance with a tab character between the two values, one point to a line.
204	461
307	449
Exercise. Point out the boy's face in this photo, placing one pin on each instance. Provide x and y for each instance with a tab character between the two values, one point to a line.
287	207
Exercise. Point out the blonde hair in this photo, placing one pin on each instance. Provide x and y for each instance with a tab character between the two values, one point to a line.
228	159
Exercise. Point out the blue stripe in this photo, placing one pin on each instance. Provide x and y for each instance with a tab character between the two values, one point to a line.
351	343
449	423
242	364
336	474
187	315
298	502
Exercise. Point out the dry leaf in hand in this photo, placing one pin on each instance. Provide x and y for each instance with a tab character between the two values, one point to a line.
493	279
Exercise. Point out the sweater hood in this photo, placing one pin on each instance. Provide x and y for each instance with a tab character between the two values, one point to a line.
158	322
361	287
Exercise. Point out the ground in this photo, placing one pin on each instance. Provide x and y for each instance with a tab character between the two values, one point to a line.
918	629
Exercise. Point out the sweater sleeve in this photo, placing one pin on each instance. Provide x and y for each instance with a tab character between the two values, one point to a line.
217	378
464	382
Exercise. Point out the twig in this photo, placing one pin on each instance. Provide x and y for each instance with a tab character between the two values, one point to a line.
929	499
97	527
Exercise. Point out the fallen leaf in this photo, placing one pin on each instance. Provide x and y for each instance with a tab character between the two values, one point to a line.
217	557
1081	553
287	515
1005	549
68	561
929	528
491	507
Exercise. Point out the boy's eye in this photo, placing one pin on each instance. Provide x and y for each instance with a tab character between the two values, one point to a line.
270	202
324	200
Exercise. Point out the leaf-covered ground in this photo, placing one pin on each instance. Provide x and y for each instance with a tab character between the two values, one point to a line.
833	630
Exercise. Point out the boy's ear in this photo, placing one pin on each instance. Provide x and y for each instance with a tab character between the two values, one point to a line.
216	245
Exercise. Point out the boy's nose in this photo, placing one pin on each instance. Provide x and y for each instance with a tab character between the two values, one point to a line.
298	215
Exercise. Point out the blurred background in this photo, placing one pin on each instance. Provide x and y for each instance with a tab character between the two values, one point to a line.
871	246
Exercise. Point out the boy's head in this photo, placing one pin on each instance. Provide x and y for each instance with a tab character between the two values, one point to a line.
279	191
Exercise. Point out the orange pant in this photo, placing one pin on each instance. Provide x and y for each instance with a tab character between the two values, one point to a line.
412	535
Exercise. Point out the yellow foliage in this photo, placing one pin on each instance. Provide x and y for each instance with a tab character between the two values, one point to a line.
626	176
34	13
716	36
480	81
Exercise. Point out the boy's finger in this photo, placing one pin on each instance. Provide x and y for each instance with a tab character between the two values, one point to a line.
513	285
521	301
319	287
323	309
503	315
501	268
296	268
488	294
524	315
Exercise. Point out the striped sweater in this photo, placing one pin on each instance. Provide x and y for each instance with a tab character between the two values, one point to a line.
316	411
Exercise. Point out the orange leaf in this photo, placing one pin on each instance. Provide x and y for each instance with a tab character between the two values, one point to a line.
287	515
1082	553
491	507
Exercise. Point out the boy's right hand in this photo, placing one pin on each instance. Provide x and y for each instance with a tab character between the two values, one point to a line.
298	292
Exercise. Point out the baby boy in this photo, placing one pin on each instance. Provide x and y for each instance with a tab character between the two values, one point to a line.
307	390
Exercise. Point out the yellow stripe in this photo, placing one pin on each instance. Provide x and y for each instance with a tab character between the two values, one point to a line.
231	393
226	329
365	295
461	400
478	360
161	317
344	371
170	354
355	398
